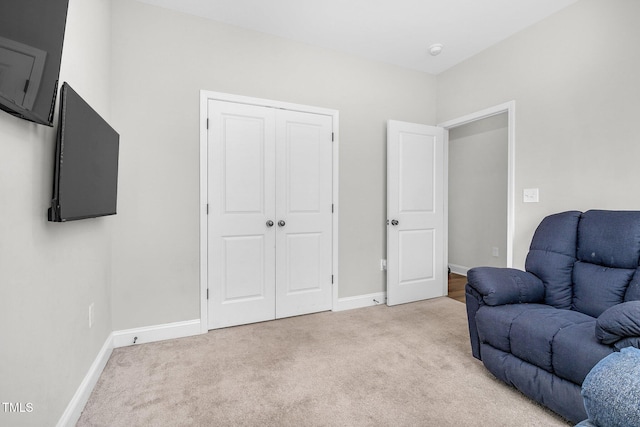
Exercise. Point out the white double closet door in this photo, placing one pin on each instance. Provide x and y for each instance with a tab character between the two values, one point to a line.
270	213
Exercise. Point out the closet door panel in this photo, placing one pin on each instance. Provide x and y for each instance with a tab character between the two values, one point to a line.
304	197
241	184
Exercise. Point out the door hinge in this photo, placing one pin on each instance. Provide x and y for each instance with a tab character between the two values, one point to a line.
331	207
332	279
207	123
207	293
26	86
331	136
207	208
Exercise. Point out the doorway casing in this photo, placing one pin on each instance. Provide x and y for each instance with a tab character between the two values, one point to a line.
510	109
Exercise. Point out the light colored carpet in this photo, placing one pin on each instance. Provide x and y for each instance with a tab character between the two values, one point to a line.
408	365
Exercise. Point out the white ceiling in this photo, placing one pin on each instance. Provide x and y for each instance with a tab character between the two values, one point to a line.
393	31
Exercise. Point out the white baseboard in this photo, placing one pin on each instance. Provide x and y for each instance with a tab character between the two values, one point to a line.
154	333
121	339
459	269
360	301
74	409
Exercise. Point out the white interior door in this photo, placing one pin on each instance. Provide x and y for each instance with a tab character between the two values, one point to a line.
241	239
304	219
270	213
415	212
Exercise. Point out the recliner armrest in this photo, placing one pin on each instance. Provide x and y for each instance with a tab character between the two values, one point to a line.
620	325
499	286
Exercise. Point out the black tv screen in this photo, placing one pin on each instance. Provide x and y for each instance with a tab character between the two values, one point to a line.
85	180
31	38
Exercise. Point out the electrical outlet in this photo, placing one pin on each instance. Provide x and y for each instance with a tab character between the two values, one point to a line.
383	264
91	310
495	252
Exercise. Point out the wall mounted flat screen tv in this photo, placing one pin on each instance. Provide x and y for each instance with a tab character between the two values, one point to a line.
85	177
31	38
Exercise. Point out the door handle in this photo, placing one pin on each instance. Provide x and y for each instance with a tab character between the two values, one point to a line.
394	222
281	223
269	223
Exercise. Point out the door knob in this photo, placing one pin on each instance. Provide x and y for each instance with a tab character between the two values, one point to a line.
394	222
281	223
269	223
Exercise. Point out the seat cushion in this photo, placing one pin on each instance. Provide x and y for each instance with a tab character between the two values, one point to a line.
494	323
532	333
576	350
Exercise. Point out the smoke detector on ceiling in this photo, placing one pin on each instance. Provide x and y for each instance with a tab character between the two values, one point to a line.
435	49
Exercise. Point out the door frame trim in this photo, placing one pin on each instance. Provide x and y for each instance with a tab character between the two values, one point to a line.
510	109
205	96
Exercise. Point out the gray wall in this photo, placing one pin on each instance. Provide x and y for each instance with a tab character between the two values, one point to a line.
574	77
161	60
50	273
478	193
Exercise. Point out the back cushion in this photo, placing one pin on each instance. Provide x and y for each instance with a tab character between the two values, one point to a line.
552	254
633	290
598	288
610	238
608	252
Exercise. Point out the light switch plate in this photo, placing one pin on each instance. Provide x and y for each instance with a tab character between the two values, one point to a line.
530	195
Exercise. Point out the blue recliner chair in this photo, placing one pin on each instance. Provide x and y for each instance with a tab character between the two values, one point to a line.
542	330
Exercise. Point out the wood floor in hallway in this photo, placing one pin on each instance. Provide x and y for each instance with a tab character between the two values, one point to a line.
456	286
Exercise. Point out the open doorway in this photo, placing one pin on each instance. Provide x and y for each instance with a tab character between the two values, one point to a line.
480	189
478	194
